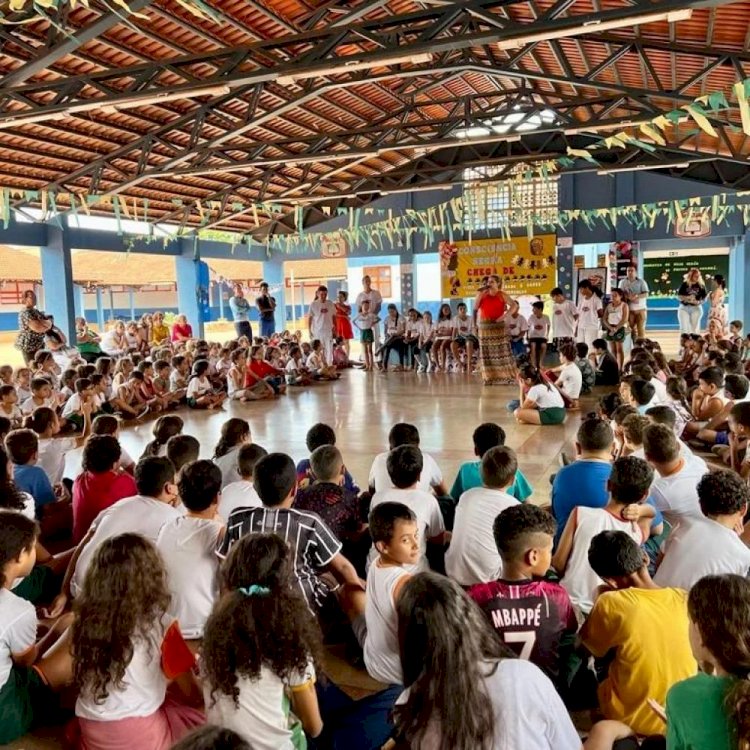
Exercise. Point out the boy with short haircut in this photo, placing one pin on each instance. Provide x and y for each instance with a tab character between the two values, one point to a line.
404	466
516	326
716	430
242	494
41	395
569	380
473	556
533	616
23	448
707	401
320	434
464	336
314	548
709	545
181	451
641	394
735	333
538	332
606	369
633	428
161	385
588	376
9	405
187	545
739	431
73	409
488	435
400	434
674	489
395	536
644	371
589	313
625	511
646	627
564	319
178	377
584	482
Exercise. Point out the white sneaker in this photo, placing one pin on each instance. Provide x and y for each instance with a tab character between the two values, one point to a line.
430	367
420	368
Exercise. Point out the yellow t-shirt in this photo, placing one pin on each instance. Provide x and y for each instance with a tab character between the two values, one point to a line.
159	333
649	630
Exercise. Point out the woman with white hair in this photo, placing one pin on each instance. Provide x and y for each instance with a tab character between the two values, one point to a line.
691	294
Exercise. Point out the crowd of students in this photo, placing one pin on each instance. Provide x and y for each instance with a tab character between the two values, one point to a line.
177	600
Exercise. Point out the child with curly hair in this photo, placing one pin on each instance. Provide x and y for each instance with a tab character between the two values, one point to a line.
260	645
126	648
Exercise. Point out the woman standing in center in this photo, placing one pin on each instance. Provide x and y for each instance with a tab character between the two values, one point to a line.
691	294
718	310
495	356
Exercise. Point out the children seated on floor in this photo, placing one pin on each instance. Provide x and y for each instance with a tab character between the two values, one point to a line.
320	434
235	433
241	493
540	402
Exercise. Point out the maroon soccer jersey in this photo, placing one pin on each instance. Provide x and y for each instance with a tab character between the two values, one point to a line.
532	617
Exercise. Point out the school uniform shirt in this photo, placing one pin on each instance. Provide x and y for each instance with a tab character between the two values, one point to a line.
533	617
412	329
472	556
188	549
29	405
469	475
17	630
538	327
15	414
570	380
135	515
580	580
33	479
51	456
198	387
676	496
228	465
429	519
380	480
529	713
426	331
515	326
564	316
323	316
261	716
701	547
393	327
463	326
380	650
314	362
588	311
93	493
660	392
313	543
648	630
176	381
160	657
444	329
546	397
240	494
366	322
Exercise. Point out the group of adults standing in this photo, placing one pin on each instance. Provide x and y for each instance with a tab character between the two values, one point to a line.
240	307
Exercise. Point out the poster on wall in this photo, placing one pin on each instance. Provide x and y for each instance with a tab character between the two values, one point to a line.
664	270
526	266
621	255
598	278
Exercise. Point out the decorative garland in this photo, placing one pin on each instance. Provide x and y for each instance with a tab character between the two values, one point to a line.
36	9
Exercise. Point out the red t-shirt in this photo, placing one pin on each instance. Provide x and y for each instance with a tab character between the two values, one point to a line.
185	331
261	369
491	307
92	493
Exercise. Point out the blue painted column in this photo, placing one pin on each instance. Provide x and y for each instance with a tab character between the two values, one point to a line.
739	281
99	310
273	274
191	274
57	280
80	305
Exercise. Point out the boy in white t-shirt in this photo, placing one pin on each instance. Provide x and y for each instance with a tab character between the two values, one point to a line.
516	326
473	556
569	377
242	494
538	333
404	468
9	405
629	485
564	318
589	314
395	535
187	546
711	545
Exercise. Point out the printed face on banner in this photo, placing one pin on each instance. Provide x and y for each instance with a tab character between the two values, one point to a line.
526	267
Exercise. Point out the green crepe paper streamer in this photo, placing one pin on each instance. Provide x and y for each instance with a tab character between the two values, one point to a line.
642	144
717	101
674	115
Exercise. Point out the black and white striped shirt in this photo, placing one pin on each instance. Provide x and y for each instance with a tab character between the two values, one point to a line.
313	543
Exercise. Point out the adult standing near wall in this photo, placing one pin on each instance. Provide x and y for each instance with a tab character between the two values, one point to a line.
32	324
495	357
240	308
718	310
691	294
375	299
266	305
321	321
636	291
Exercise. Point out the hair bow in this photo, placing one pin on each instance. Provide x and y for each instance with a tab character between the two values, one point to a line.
255	590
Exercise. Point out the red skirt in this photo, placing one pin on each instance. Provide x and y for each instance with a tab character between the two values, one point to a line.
344	327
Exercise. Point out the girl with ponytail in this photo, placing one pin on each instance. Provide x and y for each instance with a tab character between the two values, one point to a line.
164	428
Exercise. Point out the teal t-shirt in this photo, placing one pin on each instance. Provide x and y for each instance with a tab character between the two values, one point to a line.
696	716
469	476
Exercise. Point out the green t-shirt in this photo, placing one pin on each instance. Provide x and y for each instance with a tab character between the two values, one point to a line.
696	716
469	477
